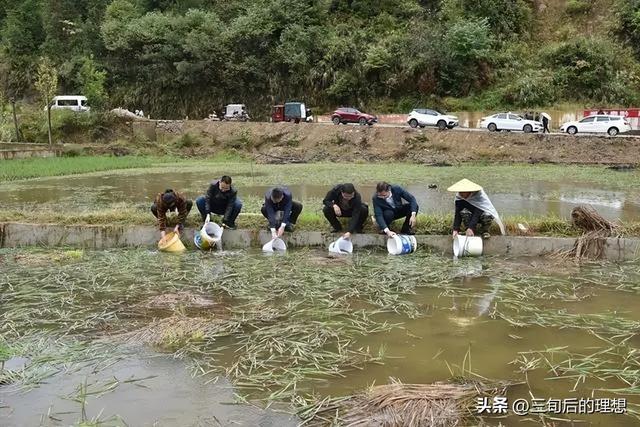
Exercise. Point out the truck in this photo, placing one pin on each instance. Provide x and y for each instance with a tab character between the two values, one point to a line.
235	112
291	112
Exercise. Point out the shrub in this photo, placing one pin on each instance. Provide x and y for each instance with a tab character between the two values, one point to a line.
578	7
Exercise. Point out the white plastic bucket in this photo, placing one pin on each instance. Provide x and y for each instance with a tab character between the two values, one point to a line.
467	246
274	245
341	246
401	244
209	236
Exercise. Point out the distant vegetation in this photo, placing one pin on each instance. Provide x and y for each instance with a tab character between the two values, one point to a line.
176	58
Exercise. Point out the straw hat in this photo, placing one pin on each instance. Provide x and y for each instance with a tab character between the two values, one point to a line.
464	186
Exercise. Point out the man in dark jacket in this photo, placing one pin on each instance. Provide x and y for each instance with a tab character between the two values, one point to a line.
221	199
281	210
170	201
344	201
388	206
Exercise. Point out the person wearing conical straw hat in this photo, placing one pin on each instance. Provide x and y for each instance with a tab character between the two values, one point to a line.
473	209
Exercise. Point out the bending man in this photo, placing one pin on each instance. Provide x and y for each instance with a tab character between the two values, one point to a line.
473	209
221	199
281	211
344	201
167	202
388	206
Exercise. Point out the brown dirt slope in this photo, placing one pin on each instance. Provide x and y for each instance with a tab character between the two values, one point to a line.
287	142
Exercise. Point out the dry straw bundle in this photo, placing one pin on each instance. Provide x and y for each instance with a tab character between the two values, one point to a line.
406	405
595	231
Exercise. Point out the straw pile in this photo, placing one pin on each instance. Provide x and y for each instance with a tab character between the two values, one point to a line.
173	300
406	405
177	330
595	231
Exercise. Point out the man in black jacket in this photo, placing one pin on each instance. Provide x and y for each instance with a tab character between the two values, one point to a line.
344	201
221	199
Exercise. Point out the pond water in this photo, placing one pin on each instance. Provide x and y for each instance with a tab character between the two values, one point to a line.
95	190
182	333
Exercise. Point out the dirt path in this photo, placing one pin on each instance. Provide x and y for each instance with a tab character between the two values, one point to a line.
287	142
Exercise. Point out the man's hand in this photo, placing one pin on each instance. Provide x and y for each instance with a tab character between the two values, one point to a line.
162	234
176	229
455	234
412	220
337	210
280	231
391	234
346	236
469	232
274	234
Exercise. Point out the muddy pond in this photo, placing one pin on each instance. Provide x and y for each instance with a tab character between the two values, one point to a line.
525	197
140	338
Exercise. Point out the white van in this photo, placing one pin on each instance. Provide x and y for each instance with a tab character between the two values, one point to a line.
70	102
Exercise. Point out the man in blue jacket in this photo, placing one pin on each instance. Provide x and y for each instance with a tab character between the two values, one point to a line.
388	206
281	210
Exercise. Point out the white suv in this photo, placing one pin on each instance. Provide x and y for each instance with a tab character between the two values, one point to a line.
601	123
423	117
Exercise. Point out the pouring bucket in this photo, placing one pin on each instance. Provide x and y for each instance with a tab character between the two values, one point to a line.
209	236
401	244
274	245
467	246
341	246
171	243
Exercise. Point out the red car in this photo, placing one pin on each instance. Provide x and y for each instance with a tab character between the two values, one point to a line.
346	115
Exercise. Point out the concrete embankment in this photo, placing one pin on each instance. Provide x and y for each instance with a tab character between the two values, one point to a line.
10	151
118	236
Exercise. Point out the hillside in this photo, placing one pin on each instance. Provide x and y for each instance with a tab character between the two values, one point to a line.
177	58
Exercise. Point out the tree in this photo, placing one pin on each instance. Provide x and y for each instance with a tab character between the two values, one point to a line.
93	81
47	85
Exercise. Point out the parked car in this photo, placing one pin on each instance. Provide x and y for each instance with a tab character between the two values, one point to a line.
423	117
599	123
69	102
236	112
511	122
346	115
291	112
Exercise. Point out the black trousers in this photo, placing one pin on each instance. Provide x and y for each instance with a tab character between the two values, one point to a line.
358	217
403	211
296	208
154	208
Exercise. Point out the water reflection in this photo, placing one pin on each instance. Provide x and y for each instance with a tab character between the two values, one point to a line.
532	198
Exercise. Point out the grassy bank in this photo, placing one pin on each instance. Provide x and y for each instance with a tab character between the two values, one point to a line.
36	168
309	221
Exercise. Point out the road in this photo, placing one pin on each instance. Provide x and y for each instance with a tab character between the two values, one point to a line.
633	134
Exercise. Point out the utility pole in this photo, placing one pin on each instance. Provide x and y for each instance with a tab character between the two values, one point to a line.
15	118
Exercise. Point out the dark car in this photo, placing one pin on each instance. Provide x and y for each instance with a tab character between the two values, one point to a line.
352	115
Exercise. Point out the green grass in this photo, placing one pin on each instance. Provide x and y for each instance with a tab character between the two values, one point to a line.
310	220
35	168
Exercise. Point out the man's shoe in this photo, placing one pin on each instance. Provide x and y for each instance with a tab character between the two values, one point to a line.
408	232
288	228
336	230
486	235
229	226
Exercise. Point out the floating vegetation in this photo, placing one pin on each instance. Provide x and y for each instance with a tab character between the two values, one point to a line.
172	333
177	299
286	329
